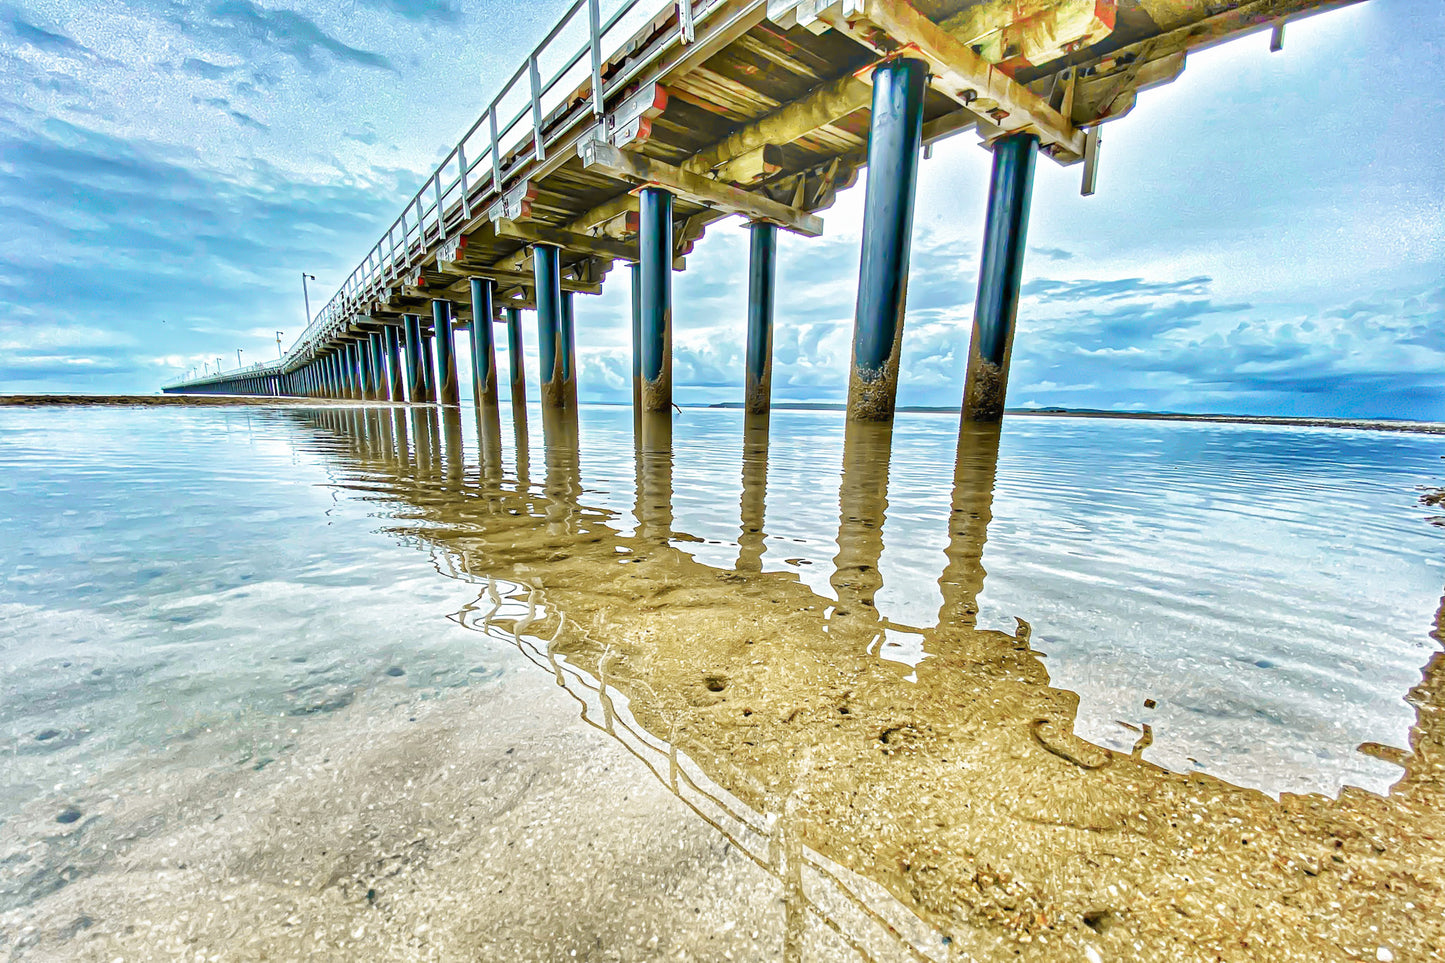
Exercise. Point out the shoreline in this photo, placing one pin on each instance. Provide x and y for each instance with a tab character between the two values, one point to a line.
143	401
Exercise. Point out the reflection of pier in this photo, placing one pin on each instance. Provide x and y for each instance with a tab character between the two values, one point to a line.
954	785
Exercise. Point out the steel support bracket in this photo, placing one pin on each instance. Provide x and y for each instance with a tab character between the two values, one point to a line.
815	16
451	249
514	205
631	122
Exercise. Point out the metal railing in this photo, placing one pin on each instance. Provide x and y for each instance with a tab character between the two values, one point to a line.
497	146
255	369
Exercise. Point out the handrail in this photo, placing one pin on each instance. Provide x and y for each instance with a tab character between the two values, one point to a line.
455	180
253	369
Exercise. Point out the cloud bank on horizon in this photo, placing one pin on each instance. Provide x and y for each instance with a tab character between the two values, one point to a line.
1268	236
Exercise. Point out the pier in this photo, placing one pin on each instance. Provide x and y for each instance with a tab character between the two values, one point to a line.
623	138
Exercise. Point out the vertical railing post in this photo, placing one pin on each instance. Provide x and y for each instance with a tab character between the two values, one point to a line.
536	107
594	39
496	150
462	179
436	181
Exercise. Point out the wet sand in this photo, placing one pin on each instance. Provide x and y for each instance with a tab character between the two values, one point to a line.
852	808
487	826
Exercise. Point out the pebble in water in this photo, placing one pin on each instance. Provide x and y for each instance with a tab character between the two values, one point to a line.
68	815
45	735
396	672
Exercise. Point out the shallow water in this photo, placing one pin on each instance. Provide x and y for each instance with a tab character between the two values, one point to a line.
855	653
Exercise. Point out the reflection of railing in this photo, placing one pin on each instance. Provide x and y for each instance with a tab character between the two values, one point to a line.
497	146
757	836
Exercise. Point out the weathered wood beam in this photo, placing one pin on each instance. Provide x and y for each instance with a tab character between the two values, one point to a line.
597	155
949	124
461	290
572	241
818	108
754	166
967	78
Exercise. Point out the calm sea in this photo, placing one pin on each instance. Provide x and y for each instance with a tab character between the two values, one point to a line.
194	600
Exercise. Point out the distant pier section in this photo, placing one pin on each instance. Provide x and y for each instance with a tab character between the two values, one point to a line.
627	132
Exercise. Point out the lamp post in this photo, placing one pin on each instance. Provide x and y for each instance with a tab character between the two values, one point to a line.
238	357
306	295
279	355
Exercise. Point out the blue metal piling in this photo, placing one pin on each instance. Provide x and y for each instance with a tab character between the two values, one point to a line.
1000	277
448	392
893	147
654	242
762	255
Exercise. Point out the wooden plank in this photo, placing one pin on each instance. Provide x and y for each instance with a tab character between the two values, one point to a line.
754	166
699	189
824	104
973	82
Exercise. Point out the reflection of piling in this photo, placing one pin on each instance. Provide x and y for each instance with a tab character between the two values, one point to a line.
564	474
862	507
654	490
398	424
974	470
386	436
454	455
489	442
751	538
522	446
421	438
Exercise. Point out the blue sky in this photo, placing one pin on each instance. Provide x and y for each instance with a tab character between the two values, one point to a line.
1268	235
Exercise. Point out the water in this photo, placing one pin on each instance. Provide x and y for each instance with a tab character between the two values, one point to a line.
832	692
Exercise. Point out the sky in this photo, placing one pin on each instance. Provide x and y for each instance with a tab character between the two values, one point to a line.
1268	235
